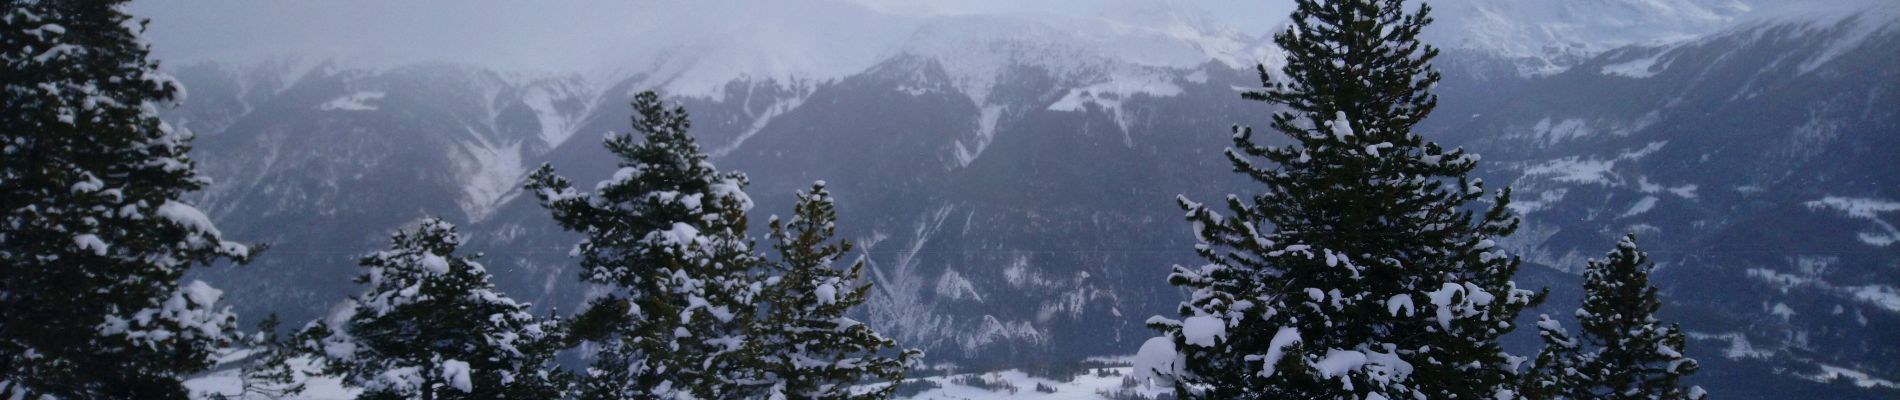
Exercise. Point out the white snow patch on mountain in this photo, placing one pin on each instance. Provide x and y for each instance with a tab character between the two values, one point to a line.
1808	272
976	50
1648	148
359	101
778	107
1646	186
1781	281
899	307
985	133
1110	95
1739	346
1829	373
1545	199
1684	191
1124	51
1548	37
952	285
1643	184
1570	128
992	330
1019	276
697	51
1589	169
1782	310
1870	209
1639	68
1878	295
1847	24
1641	206
558	119
1574	169
491	174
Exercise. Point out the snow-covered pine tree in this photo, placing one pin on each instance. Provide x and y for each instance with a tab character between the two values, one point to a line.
1361	270
93	237
432	326
804	346
1630	354
1558	370
668	231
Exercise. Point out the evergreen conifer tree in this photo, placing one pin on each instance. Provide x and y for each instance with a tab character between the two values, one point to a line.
431	326
668	232
93	237
806	348
1362	270
1630	354
1557	372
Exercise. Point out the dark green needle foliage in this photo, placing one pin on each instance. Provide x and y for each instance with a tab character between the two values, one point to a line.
806	347
431	326
667	231
94	239
1625	351
1366	266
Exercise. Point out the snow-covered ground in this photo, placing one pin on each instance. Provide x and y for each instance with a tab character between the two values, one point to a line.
229	383
1093	384
1102	383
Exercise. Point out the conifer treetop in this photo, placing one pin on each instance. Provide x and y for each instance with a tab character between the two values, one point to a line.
1632	353
662	198
1368	264
430	324
1354	57
668	232
806	347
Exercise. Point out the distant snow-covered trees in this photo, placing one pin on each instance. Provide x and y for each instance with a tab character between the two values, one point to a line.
94	237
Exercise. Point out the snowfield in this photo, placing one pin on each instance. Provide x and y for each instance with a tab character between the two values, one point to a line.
1096	383
228	383
1103	383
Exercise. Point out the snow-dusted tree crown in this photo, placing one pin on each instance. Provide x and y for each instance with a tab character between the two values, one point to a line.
1367	266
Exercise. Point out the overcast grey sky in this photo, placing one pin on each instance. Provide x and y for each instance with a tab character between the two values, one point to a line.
538	35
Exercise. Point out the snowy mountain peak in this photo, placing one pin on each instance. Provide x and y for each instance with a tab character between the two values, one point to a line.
695	53
1547	37
975	50
1821	33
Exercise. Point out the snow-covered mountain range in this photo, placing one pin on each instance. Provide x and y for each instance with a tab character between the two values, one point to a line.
1011	177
